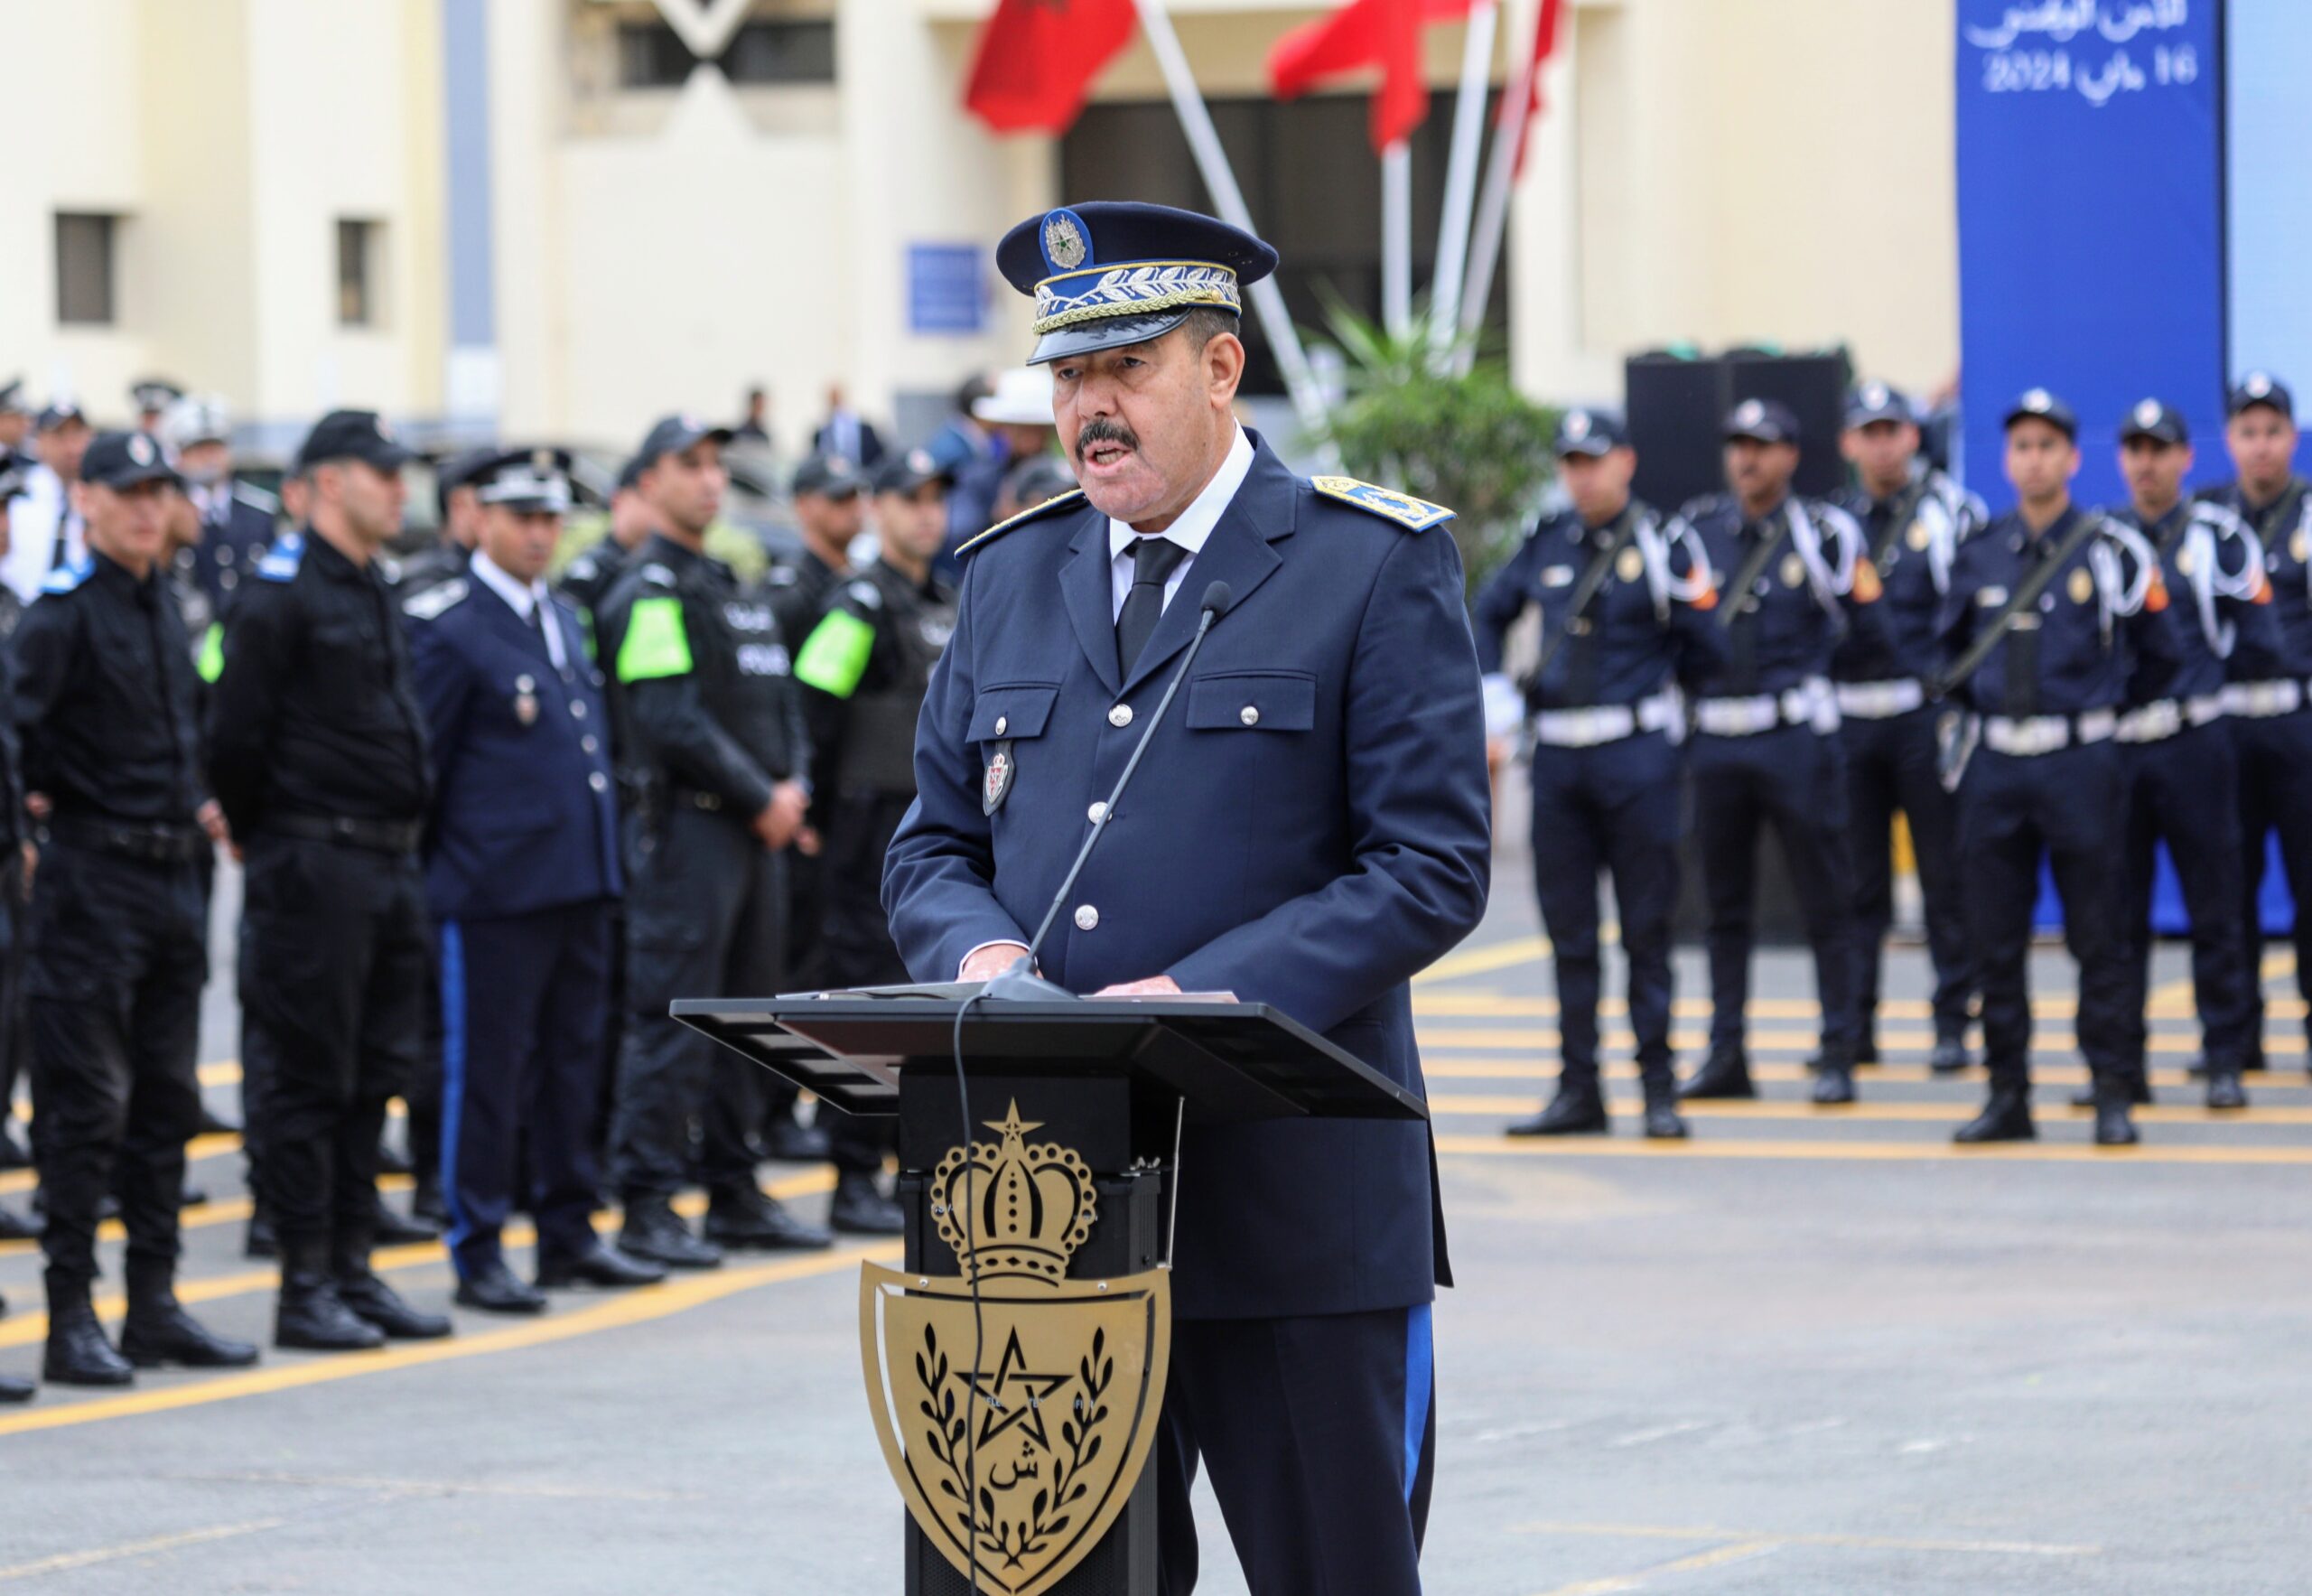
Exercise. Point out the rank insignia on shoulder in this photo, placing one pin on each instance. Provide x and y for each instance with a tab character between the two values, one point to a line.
997	784
430	605
1070	499
280	561
659	573
65	578
1415	515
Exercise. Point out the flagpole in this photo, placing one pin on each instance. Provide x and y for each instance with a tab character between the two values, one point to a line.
1396	237
1461	174
1212	162
1493	209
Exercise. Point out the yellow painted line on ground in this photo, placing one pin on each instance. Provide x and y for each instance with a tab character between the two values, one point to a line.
1447	1037
1677	1532
1909	1017
30	1329
17	1181
616	1312
1865	1152
67	1561
1739	1551
222	1072
1446	1066
1478	961
1794	1108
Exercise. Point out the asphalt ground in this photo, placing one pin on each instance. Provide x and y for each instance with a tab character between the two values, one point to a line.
1811	1351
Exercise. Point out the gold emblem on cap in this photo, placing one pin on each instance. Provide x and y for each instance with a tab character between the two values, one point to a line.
1630	566
1063	242
1918	537
1793	570
2083	585
2300	546
542	461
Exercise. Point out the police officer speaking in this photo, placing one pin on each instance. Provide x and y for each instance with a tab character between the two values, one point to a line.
1913	518
522	864
2050	614
867	666
1623	598
318	748
105	705
1309	832
706	690
1766	749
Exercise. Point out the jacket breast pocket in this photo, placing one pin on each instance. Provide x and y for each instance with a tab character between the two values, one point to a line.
1252	701
1012	709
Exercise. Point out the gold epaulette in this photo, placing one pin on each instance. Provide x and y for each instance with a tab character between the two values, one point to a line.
1414	514
1066	501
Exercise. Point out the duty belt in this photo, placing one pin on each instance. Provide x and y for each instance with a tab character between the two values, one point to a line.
2028	736
380	837
151	841
1811	703
1879	701
2263	700
1604	723
2163	718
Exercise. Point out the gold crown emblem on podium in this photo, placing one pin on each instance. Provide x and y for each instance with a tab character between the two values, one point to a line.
1030	1208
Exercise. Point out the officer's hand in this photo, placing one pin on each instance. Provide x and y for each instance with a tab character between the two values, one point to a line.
211	816
987	962
1154	987
782	817
1496	754
32	863
807	842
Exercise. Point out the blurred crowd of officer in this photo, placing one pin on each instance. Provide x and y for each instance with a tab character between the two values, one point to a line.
489	826
2059	683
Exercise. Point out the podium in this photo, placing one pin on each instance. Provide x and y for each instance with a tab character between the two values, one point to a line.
1015	1364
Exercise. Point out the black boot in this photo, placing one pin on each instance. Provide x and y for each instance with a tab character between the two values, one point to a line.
861	1208
259	1240
748	1218
1833	1084
655	1234
427	1206
80	1353
1867	1051
599	1264
160	1331
2224	1090
2114	1126
1949	1056
1724	1075
312	1317
13	1390
360	1289
1578	1109
1664	1123
2006	1117
494	1289
2138	1089
787	1139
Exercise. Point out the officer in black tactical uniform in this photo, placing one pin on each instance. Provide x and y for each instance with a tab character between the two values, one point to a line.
13	1152
866	666
1913	520
587	580
318	750
706	690
104	703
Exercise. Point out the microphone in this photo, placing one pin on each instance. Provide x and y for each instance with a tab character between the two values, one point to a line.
1020	983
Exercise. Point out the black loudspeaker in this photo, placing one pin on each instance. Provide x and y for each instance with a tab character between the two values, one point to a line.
1675	406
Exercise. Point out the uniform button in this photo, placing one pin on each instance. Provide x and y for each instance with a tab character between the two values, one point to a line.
1099	807
1002	724
227	579
1250	714
1121	715
599	782
577	709
1086	917
588	742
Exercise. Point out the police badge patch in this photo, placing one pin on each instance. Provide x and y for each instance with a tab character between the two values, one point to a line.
996	786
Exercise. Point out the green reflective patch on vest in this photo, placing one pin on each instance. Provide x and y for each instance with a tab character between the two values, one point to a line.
211	661
655	645
834	657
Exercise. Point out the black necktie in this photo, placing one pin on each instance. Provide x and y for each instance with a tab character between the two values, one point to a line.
1153	560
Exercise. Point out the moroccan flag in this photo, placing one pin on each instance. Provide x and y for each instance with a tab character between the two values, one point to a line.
1363	34
1037	60
1521	118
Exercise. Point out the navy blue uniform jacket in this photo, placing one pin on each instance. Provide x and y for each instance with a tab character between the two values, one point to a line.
1309	829
525	812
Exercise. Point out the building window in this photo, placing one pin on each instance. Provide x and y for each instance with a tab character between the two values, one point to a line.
356	273
652	55
84	268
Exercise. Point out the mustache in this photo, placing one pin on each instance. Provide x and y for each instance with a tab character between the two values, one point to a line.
1101	430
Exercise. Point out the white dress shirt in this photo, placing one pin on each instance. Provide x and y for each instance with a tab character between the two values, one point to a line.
1191	531
523	600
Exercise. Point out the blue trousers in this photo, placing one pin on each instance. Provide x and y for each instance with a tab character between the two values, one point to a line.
524	1002
2275	794
1613	808
1320	1435
2183	790
1890	765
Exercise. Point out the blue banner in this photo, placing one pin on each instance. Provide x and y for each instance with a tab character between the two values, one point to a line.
2091	222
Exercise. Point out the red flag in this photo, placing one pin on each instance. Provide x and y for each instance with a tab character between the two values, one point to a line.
1363	34
1037	60
1545	46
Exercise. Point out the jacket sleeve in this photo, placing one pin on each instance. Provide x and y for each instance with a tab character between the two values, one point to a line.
1698	643
445	687
40	667
1420	813
938	872
260	647
669	714
1497	604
